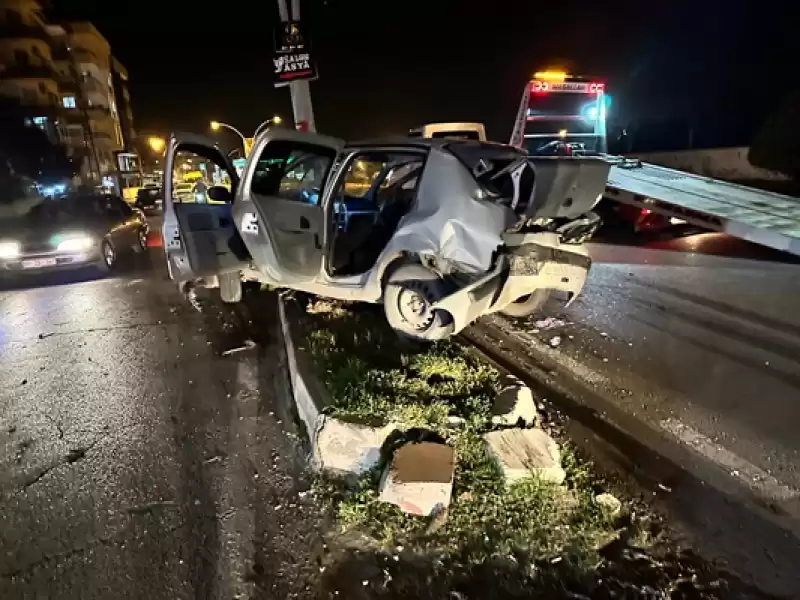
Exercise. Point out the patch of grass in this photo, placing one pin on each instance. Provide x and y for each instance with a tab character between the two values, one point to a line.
370	376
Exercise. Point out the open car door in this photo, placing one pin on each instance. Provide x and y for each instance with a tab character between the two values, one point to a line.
279	208
199	237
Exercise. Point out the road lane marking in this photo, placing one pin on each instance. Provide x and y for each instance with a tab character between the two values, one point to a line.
752	476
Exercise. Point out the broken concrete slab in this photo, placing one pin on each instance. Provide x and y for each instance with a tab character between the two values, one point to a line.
524	453
419	479
347	448
514	404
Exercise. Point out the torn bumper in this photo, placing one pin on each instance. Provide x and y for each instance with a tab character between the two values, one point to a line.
530	262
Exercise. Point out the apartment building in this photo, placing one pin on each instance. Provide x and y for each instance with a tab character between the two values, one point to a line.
68	81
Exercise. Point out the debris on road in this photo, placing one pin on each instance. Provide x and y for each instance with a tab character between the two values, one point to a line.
247	345
419	479
521	453
550	323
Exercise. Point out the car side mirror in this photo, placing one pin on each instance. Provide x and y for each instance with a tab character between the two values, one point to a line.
218	193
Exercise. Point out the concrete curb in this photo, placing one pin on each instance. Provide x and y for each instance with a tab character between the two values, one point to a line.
308	408
335	445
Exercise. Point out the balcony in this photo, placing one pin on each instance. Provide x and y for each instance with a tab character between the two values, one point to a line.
23	31
28	71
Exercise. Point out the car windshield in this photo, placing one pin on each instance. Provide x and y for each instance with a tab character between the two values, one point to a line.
55	211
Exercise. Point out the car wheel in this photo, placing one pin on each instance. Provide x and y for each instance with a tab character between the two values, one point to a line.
230	287
408	294
527	305
141	239
108	257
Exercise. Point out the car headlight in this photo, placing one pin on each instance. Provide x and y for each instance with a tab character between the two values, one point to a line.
9	249
76	244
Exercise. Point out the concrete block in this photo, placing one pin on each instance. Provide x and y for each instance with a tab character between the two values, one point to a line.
347	448
514	404
420	478
523	453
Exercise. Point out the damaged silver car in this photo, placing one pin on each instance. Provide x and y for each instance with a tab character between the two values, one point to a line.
439	231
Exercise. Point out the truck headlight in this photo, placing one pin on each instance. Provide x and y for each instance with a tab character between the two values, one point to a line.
76	244
9	249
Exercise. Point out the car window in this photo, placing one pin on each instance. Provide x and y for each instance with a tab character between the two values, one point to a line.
292	171
377	178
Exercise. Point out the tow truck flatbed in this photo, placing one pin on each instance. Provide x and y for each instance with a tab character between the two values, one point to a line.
757	216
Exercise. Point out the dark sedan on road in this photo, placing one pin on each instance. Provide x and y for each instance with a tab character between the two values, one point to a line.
149	199
72	231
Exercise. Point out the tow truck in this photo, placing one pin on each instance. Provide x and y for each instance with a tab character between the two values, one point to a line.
653	196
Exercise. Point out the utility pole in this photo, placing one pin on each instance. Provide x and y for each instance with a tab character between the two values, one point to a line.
300	90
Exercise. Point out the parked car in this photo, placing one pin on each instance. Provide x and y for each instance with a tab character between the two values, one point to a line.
149	199
72	231
439	231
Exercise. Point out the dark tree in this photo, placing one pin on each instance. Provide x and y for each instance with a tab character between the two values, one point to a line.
777	144
26	150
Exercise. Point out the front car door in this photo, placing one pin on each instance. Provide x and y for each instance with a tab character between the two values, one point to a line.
199	240
279	204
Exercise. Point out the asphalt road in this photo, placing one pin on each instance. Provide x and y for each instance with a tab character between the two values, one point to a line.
135	460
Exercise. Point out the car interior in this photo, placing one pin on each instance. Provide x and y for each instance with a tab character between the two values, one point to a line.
377	192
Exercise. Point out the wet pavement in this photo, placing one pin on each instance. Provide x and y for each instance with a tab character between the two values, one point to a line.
135	460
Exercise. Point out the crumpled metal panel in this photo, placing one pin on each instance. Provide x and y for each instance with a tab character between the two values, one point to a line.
450	220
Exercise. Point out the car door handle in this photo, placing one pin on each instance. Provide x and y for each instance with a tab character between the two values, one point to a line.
305	223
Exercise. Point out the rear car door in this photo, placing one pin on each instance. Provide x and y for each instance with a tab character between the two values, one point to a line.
279	204
199	239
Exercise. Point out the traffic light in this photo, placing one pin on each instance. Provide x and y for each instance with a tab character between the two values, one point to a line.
248	145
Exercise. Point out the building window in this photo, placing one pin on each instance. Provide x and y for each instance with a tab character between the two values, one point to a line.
68	101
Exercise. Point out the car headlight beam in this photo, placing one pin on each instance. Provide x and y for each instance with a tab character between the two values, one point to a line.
75	244
9	249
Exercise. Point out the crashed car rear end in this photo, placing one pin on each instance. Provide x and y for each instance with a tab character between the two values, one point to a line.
439	231
505	230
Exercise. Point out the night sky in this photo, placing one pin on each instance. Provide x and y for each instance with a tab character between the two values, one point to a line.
388	66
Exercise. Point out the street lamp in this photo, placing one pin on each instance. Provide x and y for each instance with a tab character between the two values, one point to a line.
156	144
276	120
216	125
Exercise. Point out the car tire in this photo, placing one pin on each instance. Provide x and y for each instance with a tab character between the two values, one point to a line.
108	257
141	241
407	294
527	305
230	287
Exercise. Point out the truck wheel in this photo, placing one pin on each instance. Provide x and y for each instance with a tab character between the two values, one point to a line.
230	287
527	305
407	296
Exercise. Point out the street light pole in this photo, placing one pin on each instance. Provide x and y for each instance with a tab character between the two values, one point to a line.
274	120
218	124
300	90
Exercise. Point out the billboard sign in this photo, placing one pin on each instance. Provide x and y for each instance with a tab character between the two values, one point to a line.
292	58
